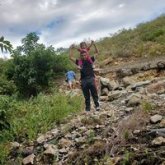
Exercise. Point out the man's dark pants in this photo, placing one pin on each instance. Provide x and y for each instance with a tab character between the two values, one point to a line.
89	87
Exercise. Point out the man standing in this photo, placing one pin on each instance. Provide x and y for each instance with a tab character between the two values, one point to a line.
87	78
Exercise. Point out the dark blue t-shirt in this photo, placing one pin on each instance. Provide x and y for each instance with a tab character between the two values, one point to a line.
86	68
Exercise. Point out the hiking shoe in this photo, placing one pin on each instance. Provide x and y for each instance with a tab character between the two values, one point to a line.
98	108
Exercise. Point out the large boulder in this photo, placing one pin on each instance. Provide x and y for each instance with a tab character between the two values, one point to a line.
124	72
105	83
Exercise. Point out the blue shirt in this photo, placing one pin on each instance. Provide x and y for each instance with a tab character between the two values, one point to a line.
70	75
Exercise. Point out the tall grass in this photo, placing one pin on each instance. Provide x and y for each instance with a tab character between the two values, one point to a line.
34	116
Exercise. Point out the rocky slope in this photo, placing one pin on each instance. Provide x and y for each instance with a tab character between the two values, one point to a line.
129	129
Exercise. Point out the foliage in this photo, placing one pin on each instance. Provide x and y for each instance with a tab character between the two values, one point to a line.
126	158
28	118
90	137
34	66
147	106
29	43
5	45
147	39
6	87
4	108
30	73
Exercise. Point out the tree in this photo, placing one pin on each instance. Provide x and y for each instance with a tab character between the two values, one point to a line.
5	45
34	65
30	42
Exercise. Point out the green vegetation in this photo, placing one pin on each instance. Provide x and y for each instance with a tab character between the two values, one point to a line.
26	108
126	158
34	66
147	39
90	137
147	106
5	45
24	120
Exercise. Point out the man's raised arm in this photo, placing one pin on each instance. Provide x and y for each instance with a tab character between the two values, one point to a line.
71	54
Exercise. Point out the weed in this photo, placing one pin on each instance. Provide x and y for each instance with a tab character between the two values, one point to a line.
147	106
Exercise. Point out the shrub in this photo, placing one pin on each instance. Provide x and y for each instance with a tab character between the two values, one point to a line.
4	109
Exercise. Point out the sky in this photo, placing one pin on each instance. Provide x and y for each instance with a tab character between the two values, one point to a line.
63	22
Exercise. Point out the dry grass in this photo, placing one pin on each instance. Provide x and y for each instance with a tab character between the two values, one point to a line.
88	156
125	128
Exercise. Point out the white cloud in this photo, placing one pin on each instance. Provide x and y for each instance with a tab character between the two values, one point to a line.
62	22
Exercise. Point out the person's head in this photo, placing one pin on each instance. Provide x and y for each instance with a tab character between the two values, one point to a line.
83	45
84	55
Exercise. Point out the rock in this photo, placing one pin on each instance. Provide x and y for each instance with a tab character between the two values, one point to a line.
155	119
124	72
136	132
104	92
163	163
105	83
64	143
51	150
158	141
63	151
68	136
103	98
80	140
54	132
41	139
15	145
129	109
29	159
160	66
146	67
128	81
28	151
158	87
140	84
75	134
114	95
115	85
48	135
158	131
133	100
162	123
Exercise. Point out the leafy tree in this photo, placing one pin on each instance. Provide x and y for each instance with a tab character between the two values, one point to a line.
33	66
31	73
6	87
5	45
29	42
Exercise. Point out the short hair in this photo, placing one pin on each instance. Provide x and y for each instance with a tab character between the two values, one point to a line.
81	43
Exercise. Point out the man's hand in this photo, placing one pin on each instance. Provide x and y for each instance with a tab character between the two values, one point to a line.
72	46
92	42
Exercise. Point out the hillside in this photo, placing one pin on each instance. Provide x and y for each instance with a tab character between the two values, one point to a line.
146	40
52	128
129	129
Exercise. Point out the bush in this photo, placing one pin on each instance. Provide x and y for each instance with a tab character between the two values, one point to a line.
28	118
4	110
6	87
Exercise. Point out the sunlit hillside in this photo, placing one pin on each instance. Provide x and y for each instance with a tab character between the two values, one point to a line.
147	39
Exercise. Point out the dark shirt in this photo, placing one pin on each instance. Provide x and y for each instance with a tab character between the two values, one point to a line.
86	68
